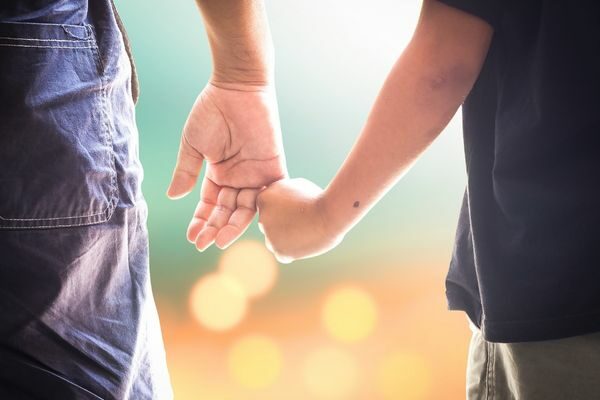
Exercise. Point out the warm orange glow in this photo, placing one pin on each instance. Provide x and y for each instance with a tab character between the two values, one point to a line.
254	361
330	373
415	349
218	302
252	265
349	314
403	375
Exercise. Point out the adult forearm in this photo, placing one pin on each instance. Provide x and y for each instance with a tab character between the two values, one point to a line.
240	41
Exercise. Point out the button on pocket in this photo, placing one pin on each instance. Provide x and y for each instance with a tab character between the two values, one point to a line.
56	158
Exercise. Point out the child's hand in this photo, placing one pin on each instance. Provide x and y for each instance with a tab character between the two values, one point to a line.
294	221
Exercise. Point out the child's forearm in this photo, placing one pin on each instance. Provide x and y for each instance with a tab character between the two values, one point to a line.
421	94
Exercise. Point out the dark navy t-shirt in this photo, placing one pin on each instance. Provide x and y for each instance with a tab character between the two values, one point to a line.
526	262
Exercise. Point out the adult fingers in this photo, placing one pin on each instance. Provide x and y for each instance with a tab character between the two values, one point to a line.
187	169
240	219
219	216
208	199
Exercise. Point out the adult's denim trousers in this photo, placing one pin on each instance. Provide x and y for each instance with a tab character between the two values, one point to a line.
77	315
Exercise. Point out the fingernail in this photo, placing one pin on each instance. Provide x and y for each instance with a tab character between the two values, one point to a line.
206	246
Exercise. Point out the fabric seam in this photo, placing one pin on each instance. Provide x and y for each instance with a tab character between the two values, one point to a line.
47	40
45	47
106	137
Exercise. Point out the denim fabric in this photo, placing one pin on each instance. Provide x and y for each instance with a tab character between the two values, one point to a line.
77	315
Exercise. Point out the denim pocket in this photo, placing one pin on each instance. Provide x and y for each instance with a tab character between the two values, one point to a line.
57	164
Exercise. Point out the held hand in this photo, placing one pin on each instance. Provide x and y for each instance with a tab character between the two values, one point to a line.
236	130
294	221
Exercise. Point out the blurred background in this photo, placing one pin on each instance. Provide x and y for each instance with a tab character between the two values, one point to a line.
365	321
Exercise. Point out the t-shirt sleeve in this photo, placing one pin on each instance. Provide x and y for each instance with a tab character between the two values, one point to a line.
488	10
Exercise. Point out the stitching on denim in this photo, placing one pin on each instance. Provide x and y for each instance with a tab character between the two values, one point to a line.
47	40
40	23
111	203
107	133
45	47
50	218
85	220
55	225
107	138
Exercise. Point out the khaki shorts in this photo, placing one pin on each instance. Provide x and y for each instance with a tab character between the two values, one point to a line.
564	369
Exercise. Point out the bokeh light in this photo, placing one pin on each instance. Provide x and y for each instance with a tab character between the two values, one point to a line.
330	373
252	265
349	314
403	375
218	302
402	265
254	361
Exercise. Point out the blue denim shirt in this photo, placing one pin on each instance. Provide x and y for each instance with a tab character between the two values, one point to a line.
77	316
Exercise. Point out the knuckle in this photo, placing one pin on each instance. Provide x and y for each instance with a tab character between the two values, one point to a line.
223	208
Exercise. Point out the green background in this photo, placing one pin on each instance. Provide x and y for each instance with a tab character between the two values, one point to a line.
331	59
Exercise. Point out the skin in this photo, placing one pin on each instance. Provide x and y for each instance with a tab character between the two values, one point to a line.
426	86
233	126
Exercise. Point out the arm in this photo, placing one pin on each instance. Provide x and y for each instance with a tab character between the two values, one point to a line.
426	86
240	42
233	125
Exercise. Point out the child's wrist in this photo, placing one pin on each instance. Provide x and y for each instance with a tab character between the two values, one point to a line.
333	222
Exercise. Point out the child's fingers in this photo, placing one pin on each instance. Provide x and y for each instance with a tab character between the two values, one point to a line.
261	198
269	246
279	257
283	259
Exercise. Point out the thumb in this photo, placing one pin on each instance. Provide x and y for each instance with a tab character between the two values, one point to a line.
187	169
262	198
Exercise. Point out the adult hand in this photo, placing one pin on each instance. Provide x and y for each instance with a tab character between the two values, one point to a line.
236	129
295	221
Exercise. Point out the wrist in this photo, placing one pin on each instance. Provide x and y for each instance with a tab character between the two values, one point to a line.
250	69
333	222
242	85
246	80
